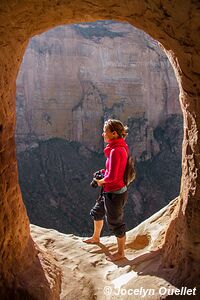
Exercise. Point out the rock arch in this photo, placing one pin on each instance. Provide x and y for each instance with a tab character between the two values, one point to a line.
176	26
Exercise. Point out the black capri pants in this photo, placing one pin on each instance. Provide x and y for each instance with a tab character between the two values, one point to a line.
111	206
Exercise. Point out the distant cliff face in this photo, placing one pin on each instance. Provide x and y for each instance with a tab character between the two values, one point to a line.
74	77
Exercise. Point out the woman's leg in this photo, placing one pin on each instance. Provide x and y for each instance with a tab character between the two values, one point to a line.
115	216
121	244
98	225
97	213
119	254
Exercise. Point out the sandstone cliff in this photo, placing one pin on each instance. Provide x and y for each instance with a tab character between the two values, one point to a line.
73	77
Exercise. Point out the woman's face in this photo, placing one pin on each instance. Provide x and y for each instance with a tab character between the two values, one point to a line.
108	135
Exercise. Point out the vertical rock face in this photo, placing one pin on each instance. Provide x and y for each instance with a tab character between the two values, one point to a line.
74	77
87	121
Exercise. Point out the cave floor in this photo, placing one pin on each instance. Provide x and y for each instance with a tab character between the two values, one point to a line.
86	274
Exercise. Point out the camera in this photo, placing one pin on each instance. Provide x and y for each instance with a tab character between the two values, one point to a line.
98	175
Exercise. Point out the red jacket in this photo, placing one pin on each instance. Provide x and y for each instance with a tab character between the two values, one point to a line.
116	152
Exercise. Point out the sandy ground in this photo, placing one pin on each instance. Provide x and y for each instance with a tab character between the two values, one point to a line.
86	274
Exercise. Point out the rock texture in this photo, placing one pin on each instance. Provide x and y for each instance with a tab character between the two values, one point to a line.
74	77
88	275
176	26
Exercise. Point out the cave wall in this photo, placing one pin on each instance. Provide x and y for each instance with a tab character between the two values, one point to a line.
176	26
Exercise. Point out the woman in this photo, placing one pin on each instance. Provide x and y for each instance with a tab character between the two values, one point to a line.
114	196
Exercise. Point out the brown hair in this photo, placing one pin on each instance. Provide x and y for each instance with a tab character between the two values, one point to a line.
116	125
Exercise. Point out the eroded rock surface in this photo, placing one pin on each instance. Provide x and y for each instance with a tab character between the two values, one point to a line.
176	25
88	275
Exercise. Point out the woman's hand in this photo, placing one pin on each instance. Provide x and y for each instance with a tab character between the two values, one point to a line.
100	182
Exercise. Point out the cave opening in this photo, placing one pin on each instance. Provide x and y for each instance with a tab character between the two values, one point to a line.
176	27
71	80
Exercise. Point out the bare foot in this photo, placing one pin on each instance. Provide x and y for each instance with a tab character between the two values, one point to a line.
91	241
115	256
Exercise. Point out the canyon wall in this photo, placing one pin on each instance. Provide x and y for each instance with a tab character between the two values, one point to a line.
74	77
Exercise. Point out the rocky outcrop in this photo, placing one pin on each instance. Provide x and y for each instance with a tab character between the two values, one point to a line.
138	276
176	26
74	77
